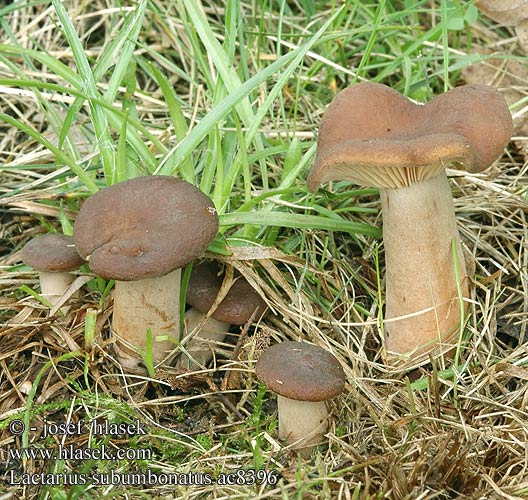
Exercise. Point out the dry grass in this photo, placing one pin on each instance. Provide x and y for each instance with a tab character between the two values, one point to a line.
449	434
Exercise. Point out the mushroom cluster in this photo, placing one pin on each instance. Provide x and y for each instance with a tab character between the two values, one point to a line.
374	136
140	233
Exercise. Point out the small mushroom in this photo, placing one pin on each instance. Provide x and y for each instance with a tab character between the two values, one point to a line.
140	233
374	136
53	256
304	376
236	308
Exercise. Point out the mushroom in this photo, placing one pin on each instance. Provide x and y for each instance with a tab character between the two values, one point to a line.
236	308
374	136
53	256
140	233
304	377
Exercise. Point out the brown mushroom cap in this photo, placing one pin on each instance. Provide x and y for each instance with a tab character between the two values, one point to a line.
300	371
237	306
144	227
51	252
372	135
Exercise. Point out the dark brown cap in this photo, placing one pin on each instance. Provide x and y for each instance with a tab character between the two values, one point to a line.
372	135
300	371
237	306
144	227
51	252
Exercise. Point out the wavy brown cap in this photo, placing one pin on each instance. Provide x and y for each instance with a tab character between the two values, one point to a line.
51	252
238	305
372	135
144	227
300	371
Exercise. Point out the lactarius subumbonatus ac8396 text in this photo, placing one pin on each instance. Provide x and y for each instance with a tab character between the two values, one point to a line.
374	136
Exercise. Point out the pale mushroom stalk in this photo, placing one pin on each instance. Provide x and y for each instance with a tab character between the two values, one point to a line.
54	284
149	303
302	424
207	333
420	279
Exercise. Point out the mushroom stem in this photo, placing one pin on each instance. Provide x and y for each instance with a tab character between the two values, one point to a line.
147	303
201	346
419	226
302	423
53	285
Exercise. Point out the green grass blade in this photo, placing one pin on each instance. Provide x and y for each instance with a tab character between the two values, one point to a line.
58	68
115	116
178	120
293	172
226	70
300	54
204	127
121	49
99	119
61	157
121	158
220	59
298	221
367	51
445	43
